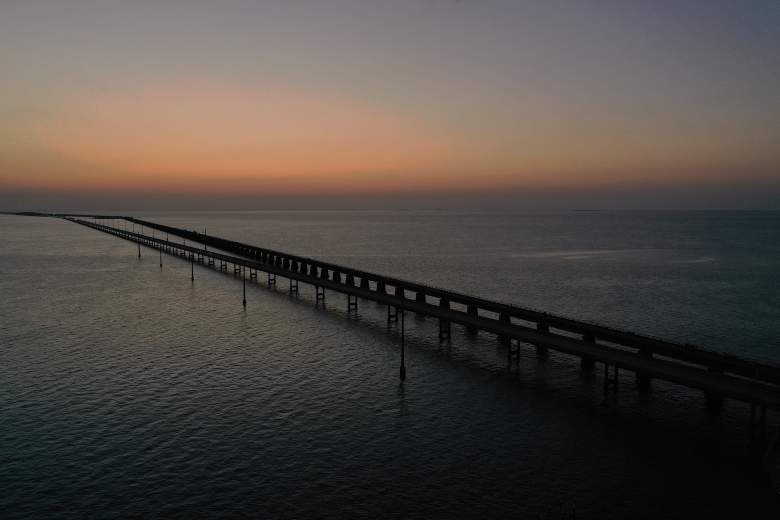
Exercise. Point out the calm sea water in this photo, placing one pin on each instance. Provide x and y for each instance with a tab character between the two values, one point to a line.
127	390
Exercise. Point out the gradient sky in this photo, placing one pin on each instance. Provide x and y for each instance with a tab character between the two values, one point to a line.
571	104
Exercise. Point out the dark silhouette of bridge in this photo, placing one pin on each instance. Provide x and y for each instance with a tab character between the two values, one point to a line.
718	375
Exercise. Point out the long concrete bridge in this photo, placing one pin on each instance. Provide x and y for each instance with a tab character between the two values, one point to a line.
718	375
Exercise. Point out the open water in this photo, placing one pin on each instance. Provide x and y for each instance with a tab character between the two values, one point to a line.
128	391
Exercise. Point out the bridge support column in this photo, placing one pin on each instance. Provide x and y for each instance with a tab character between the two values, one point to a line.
319	294
445	331
392	315
610	381
419	297
758	436
352	304
402	371
505	320
160	257
510	351
243	279
541	349
139	249
586	362
192	270
472	311
271	280
509	354
252	274
293	287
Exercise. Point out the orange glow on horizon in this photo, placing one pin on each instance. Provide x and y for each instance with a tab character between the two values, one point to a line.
217	137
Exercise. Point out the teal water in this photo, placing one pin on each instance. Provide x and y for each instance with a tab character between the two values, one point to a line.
126	390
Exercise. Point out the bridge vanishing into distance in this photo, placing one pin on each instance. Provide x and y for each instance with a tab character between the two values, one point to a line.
718	375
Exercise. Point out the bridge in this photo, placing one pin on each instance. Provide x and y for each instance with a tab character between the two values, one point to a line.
718	375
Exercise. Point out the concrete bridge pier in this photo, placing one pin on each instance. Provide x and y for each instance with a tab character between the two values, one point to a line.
471	310
587	363
392	315
610	381
293	287
319	295
505	340
758	421
402	370
643	379
271	280
419	297
445	331
352	304
513	352
541	348
758	445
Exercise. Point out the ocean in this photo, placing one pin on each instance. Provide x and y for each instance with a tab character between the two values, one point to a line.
127	390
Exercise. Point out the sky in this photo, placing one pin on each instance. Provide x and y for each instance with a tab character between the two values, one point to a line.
395	103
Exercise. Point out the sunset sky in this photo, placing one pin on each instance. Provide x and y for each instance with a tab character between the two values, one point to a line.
614	103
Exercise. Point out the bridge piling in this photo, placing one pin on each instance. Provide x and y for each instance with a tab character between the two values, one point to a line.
293	287
610	381
586	362
471	310
509	354
243	279
392	315
504	318
352	304
271	280
402	372
319	295
445	331
513	352
541	348
643	379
